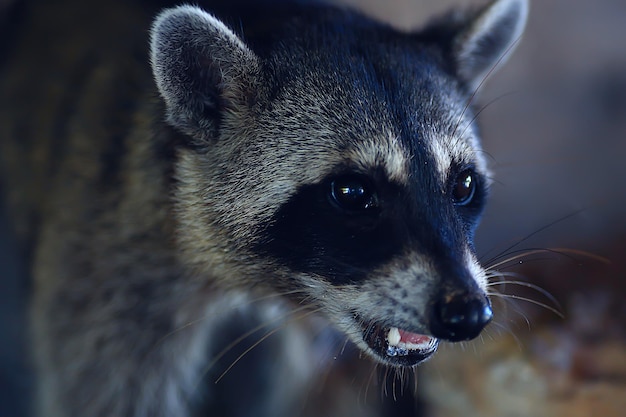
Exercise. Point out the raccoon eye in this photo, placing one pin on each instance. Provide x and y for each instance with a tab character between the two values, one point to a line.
463	188
352	194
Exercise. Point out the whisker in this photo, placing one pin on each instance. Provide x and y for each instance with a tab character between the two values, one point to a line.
494	180
529	300
537	288
480	85
484	335
249	333
506	302
512	256
415	382
529	260
506	329
501	275
203	318
488	155
484	107
321	381
567	253
369	381
384	390
261	340
536	232
343	348
583	254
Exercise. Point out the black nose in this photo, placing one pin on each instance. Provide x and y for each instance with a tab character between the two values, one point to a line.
460	317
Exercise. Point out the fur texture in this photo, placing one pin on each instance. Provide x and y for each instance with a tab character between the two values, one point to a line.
318	156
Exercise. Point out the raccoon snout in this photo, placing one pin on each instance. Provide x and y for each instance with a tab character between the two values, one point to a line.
460	316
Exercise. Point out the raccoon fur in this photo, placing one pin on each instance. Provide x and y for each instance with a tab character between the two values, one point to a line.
293	160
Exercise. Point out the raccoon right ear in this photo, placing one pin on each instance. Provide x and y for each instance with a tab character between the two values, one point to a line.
487	38
202	69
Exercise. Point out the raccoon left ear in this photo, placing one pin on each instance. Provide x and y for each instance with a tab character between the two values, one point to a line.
202	70
488	38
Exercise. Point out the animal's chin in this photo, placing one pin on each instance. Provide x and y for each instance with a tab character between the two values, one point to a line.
397	347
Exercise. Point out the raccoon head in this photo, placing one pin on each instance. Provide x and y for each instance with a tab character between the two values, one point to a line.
335	159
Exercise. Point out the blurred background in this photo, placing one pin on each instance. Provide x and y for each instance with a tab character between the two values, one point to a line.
554	130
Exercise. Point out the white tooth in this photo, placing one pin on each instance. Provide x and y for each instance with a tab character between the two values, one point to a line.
393	337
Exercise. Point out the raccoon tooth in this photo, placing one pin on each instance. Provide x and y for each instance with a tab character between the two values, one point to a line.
393	337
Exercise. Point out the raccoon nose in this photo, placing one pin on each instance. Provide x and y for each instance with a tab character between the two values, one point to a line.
460	317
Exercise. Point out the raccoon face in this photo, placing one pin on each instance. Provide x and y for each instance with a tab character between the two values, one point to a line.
338	164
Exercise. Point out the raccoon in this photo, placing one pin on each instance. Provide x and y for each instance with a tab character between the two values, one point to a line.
289	161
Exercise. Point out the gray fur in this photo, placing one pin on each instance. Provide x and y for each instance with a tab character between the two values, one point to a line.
200	66
156	239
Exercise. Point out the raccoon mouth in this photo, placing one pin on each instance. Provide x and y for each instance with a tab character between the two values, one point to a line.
398	347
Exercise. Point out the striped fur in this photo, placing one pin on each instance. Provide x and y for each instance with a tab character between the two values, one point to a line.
163	215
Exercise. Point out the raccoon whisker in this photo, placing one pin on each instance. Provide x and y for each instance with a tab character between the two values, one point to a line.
490	156
512	256
528	300
485	106
390	376
501	328
481	338
369	381
415	381
470	100
410	378
486	335
582	254
509	249
394	384
494	180
500	276
269	296
537	288
322	381
275	295
343	347
410	375
530	259
403	379
406	379
522	255
261	340
572	254
506	304
497	273
492	291
462	345
383	388
398	376
250	332
202	319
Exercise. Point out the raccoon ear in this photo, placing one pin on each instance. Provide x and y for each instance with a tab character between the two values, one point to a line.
202	70
488	38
